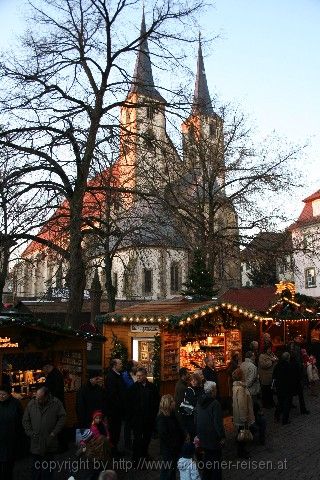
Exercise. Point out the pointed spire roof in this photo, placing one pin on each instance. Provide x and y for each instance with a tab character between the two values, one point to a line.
201	98
142	81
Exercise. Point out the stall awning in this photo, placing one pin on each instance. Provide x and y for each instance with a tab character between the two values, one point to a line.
175	312
17	319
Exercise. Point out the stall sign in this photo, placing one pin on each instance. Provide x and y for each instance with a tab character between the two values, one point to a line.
5	342
145	328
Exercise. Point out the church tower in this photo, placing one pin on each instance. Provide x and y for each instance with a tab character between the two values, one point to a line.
142	123
203	130
203	150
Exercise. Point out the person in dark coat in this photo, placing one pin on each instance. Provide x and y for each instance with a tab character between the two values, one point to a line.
191	397
298	373
91	397
143	404
283	375
210	373
116	399
181	386
54	381
210	431
43	418
10	431
129	378
171	437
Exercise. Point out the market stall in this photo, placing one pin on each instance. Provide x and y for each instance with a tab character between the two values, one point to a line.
292	315
165	336
26	344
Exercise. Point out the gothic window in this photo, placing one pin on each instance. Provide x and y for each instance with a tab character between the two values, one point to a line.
150	112
149	140
175	278
310	276
147	281
59	277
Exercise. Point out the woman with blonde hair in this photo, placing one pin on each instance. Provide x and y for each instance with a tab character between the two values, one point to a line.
171	437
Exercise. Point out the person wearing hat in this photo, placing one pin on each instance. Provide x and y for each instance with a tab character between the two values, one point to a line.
54	381
10	431
210	431
91	397
99	426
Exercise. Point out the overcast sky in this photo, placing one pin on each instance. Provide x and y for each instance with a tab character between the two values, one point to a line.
266	60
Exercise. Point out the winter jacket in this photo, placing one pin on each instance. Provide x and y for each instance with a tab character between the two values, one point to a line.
285	378
171	436
265	367
188	469
209	422
127	378
97	432
312	372
40	422
10	428
55	384
89	399
179	392
116	395
242	405
143	404
251	377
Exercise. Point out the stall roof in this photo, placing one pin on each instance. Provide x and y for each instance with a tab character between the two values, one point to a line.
173	312
24	320
258	299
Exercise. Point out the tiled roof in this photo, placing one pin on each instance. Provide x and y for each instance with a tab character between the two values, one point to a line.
258	299
56	228
306	216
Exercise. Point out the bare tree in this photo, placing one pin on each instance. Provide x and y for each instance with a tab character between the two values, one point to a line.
219	189
61	97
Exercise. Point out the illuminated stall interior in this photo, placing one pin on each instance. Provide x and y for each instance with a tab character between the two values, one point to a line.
188	332
26	344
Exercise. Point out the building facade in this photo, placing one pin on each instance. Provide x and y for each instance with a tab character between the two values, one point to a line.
306	243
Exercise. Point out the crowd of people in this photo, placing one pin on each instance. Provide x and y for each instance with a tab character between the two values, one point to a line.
189	424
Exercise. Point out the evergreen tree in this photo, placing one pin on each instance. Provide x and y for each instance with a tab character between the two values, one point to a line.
119	350
200	281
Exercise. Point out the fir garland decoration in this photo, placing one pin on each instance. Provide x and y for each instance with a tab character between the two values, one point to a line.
156	359
119	350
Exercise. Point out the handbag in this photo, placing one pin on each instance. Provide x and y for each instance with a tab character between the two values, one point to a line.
245	435
186	408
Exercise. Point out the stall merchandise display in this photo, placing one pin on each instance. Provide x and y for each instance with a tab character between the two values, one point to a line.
221	346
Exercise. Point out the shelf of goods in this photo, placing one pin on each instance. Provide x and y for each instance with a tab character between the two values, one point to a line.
170	354
221	346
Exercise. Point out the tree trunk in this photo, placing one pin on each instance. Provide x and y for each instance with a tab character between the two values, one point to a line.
76	274
110	288
4	258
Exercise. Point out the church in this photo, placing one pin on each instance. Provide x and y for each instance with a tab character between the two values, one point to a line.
182	203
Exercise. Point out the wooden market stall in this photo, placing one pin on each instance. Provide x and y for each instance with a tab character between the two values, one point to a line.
187	332
293	315
26	344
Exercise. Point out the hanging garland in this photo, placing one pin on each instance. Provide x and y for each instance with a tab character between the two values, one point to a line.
156	359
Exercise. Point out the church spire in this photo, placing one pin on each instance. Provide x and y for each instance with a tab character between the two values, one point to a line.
142	81
201	99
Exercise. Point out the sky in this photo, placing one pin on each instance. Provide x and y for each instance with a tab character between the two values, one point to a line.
265	60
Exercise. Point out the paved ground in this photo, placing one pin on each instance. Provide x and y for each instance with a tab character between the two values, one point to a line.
292	452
